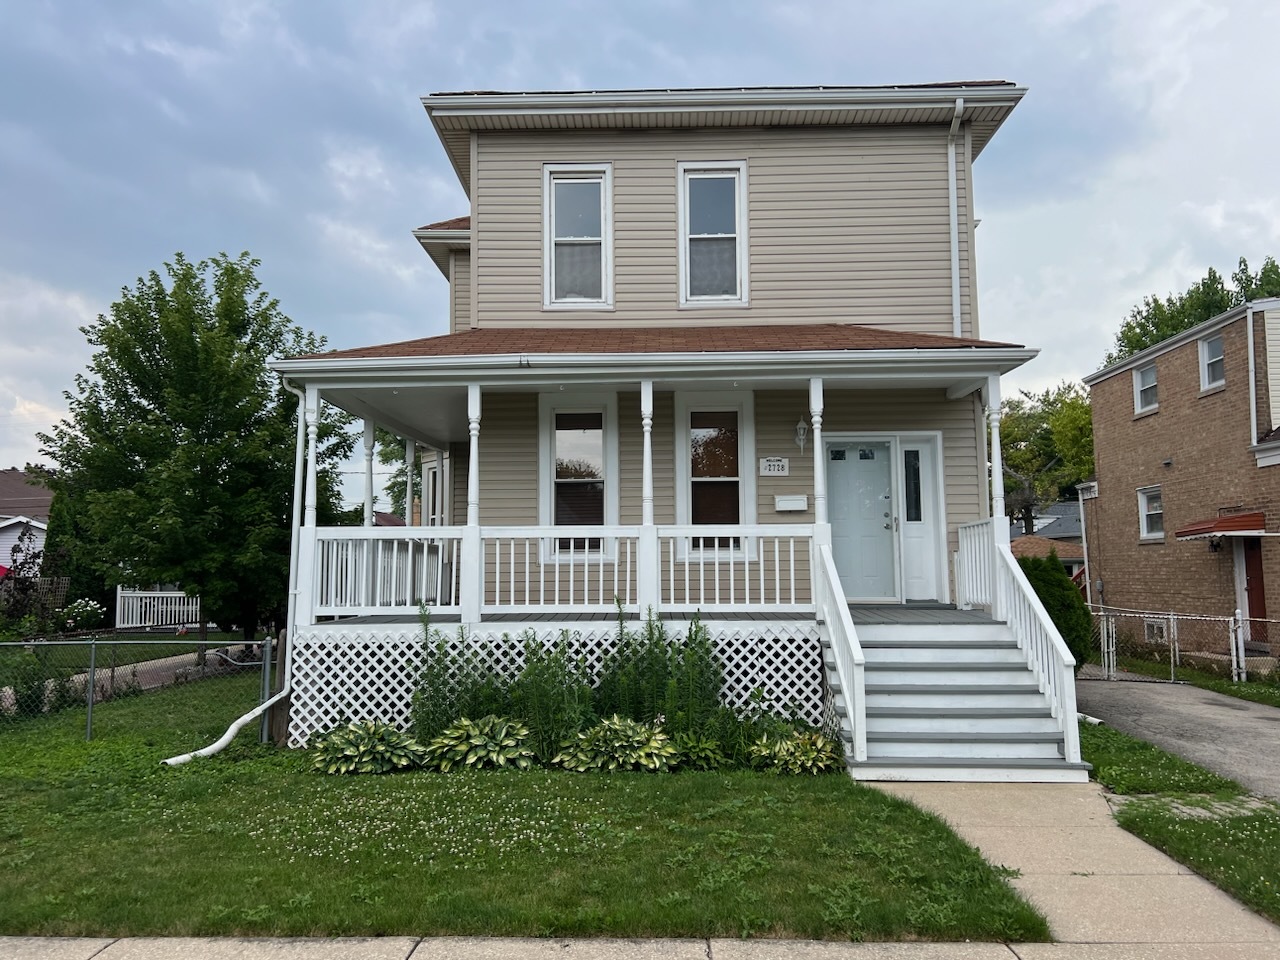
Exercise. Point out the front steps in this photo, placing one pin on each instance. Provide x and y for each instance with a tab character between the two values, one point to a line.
952	701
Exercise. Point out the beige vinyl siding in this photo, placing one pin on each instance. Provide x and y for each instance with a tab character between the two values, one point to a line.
631	459
777	412
1271	326
844	224
508	462
460	291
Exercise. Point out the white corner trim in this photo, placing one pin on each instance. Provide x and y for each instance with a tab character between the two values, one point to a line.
684	170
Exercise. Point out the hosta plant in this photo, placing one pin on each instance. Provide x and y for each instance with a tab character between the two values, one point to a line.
698	752
488	742
804	751
619	744
366	747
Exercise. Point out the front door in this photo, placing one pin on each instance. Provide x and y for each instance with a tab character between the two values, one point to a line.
920	520
1255	593
861	506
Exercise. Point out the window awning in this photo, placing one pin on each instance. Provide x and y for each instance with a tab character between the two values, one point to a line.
1236	525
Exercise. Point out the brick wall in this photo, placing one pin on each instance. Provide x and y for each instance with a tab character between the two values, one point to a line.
1206	436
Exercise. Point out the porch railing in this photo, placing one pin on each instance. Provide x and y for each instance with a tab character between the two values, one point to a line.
155	608
837	629
987	574
558	570
363	571
710	568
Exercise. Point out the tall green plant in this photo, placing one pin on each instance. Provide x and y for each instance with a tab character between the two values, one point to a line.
634	681
696	678
552	696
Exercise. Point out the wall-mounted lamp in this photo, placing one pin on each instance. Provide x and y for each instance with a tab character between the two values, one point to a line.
1215	544
802	431
1167	462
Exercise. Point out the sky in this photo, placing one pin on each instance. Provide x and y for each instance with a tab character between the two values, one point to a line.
1143	154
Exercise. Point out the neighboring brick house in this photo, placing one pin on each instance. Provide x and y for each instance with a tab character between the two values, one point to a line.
1187	507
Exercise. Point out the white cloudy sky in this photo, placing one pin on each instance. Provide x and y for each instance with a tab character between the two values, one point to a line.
1145	151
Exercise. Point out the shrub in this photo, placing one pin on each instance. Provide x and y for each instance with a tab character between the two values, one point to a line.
619	744
83	614
804	751
696	678
552	696
698	752
1062	601
453	686
488	742
737	729
366	747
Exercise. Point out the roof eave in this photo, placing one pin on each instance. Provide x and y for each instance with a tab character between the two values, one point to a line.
440	243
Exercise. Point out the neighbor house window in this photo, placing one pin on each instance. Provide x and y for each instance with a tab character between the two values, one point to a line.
577	236
1154	631
1144	389
578	473
1213	367
713	233
1150	514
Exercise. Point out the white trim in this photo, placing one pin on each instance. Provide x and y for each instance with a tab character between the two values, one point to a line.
549	404
741	402
552	172
1143	494
1239	577
1205	360
1138	387
10	521
686	171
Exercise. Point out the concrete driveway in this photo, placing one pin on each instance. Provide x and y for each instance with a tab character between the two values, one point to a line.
1234	738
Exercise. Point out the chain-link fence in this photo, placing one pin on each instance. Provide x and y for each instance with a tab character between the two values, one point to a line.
1159	645
92	677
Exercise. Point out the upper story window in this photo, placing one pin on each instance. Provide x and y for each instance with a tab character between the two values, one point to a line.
1150	514
577	218
1213	365
713	234
1145	397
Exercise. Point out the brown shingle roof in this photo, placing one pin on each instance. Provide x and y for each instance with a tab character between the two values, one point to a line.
756	338
457	223
1033	546
18	498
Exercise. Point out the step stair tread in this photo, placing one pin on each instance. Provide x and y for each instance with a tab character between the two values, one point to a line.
931	643
959	667
960	762
956	688
922	736
967	713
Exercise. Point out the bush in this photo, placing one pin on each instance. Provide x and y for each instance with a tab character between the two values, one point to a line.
366	747
698	752
453	686
82	614
1062	601
619	744
552	696
804	751
488	742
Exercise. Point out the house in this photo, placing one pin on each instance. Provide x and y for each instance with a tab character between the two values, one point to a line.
1032	545
715	353
24	508
1054	521
1186	507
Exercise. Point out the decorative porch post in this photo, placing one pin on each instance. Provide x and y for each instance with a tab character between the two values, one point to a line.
409	451
648	559
307	535
368	473
472	579
425	487
822	528
997	462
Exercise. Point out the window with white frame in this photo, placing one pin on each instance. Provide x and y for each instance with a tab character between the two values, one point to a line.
1155	631
713	233
577	219
1150	514
1145	396
578	468
1213	365
715	446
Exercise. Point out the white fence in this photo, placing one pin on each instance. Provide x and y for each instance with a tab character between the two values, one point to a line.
836	627
555	570
764	567
385	570
1162	644
139	609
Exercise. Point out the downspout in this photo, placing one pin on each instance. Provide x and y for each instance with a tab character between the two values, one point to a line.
954	212
1253	378
1084	543
286	685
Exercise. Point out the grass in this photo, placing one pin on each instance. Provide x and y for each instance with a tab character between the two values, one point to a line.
98	839
1257	691
1202	820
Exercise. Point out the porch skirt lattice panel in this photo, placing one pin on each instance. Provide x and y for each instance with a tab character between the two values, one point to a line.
370	673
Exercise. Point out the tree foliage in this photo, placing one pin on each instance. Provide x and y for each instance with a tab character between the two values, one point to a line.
175	461
1155	320
1062	601
1046	440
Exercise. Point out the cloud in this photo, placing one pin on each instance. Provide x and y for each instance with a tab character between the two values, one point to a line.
362	245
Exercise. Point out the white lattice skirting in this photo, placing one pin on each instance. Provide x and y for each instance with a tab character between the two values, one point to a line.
370	672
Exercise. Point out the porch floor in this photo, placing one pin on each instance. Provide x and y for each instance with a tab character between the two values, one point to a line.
914	613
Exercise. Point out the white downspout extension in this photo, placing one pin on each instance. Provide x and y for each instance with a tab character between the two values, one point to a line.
954	213
1084	544
286	686
1253	379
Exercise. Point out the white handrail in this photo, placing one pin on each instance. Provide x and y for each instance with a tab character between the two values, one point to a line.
836	625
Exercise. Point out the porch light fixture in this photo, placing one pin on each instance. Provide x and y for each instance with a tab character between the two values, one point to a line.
802	431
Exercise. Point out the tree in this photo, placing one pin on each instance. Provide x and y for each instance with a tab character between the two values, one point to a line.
1155	320
1046	440
1062	601
177	452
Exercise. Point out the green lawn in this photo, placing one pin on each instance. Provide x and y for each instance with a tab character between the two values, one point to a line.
98	839
1200	819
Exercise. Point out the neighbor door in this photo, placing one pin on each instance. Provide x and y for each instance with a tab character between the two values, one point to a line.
861	482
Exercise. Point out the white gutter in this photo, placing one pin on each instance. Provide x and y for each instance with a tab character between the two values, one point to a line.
1253	379
954	214
286	685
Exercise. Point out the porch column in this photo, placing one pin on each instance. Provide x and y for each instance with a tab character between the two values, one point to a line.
425	487
648	558
819	463
999	522
409	451
305	610
471	582
313	430
368	473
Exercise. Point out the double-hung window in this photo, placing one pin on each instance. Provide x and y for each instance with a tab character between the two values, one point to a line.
1145	397
1150	514
715	485
713	234
577	219
1213	367
578	469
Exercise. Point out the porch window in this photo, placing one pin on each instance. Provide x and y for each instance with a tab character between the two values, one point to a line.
713	235
579	476
577	241
1213	369
1150	514
715	442
1145	397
